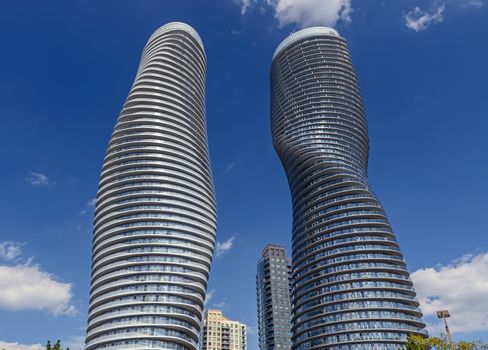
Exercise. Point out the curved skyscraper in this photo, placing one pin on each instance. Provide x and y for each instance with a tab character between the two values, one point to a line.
155	218
350	285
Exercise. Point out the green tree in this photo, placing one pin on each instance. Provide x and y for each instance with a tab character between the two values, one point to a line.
416	342
57	345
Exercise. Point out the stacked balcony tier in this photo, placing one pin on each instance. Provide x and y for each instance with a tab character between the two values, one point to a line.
155	217
350	286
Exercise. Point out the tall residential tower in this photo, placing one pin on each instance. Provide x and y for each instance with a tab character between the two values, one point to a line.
350	285
273	298
155	218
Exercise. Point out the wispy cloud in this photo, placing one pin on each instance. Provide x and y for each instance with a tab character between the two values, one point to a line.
25	286
220	305
418	19
245	5
73	343
229	167
90	205
18	346
40	180
10	251
471	3
223	247
307	13
208	296
303	13
460	287
76	342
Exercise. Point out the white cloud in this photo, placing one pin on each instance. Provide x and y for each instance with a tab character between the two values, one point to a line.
74	343
460	287
208	296
27	287
40	180
471	3
17	346
223	247
10	251
304	13
418	20
220	305
308	13
245	4
89	206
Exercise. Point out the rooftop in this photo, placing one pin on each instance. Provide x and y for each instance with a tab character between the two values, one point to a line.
305	33
177	26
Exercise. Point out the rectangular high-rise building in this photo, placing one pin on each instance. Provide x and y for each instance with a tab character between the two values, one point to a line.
220	333
273	298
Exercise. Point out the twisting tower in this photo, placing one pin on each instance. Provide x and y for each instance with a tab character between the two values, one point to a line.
155	218
350	285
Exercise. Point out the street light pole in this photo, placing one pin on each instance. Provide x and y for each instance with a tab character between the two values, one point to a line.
444	314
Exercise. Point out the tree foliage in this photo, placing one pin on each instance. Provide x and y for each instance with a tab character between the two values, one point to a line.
416	342
56	346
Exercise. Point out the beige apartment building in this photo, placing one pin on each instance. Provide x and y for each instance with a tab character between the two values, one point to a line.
220	333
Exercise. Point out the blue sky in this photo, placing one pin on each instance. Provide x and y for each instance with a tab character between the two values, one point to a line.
66	68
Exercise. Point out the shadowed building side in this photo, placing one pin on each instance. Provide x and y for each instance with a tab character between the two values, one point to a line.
155	218
273	298
350	285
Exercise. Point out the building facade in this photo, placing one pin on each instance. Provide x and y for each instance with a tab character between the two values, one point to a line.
155	216
350	285
273	298
220	333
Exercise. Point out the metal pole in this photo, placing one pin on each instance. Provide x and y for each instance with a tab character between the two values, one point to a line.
449	334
